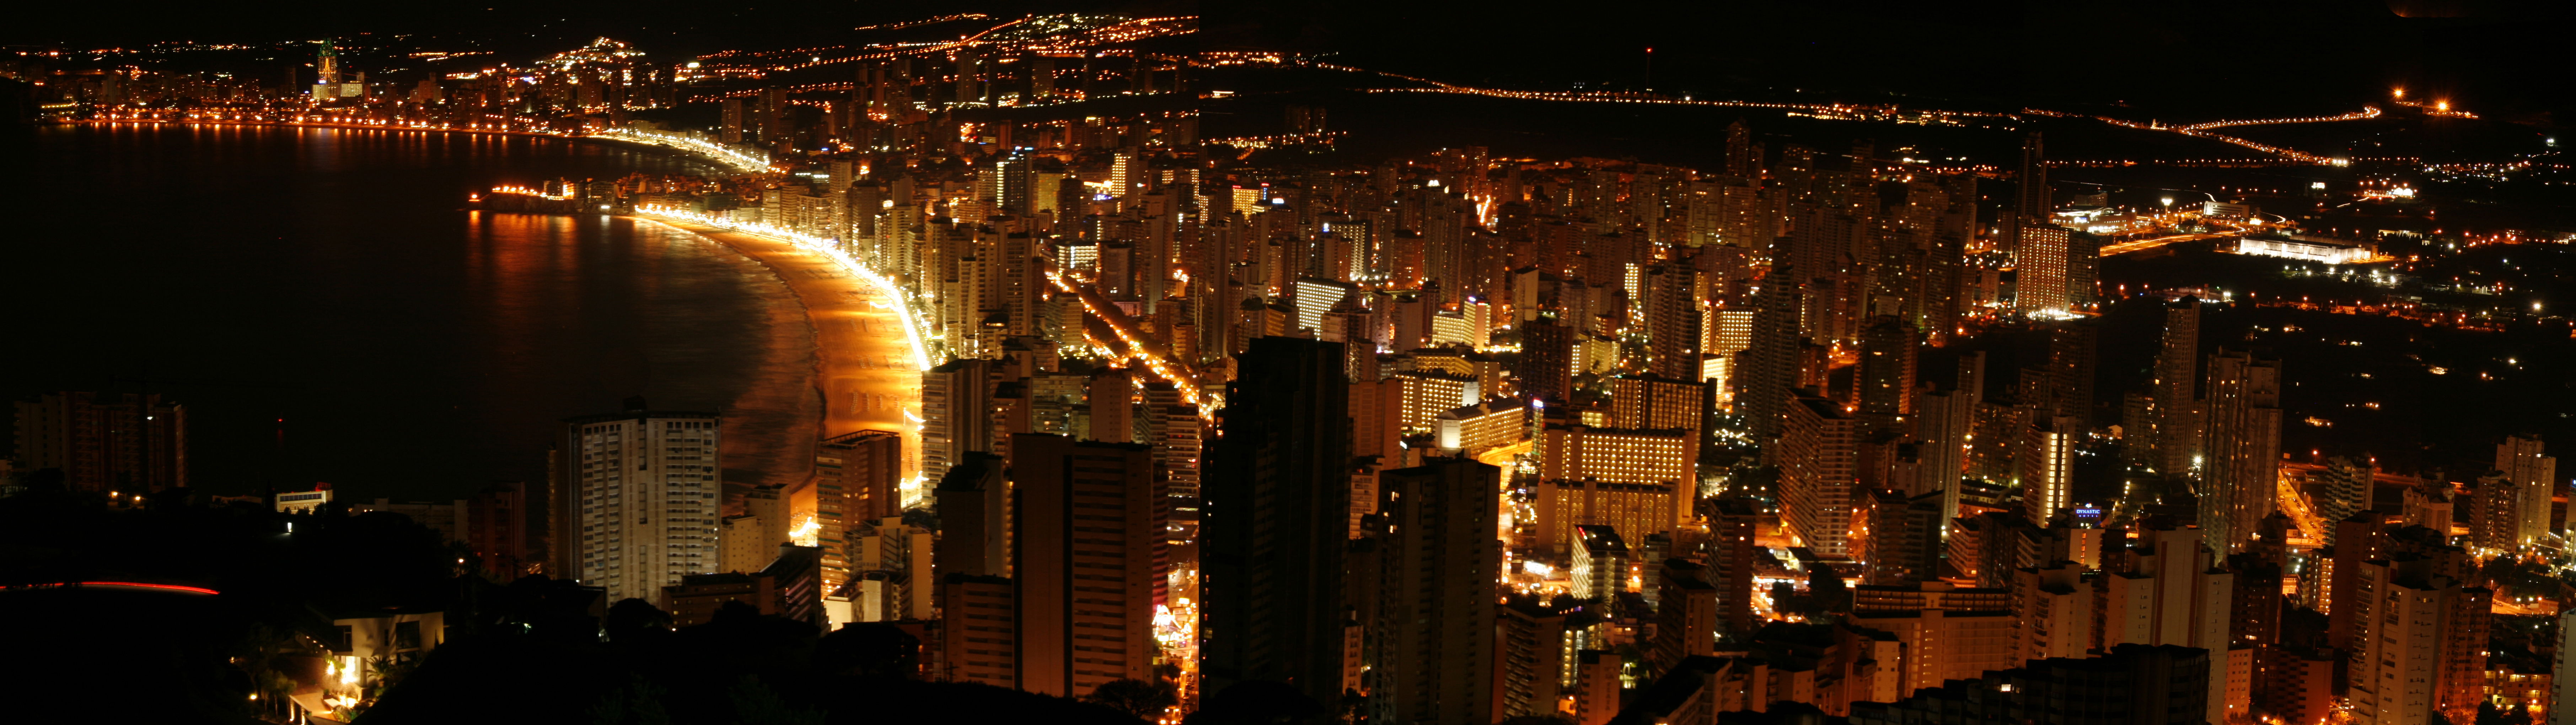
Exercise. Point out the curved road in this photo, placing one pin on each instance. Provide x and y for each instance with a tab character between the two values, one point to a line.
862	363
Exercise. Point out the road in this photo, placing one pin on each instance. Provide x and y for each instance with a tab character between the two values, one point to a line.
862	362
2143	244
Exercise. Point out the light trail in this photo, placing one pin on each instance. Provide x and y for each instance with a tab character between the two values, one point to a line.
1137	346
2127	247
2201	130
2366	112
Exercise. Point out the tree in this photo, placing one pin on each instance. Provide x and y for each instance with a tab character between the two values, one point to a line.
638	703
1145	700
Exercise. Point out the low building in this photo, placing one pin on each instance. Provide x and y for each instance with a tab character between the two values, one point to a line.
1483	426
2134	684
2305	249
697	597
302	502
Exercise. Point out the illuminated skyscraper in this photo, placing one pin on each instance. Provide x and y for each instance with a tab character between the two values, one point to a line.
635	499
733	121
1315	296
1673	309
1655	402
2041	264
1770	357
2177	390
2347	492
2046	464
858	480
2534	478
1817	457
2243	447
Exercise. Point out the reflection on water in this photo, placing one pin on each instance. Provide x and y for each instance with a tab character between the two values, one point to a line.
413	348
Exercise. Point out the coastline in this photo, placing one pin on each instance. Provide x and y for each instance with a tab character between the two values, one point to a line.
861	355
650	144
864	367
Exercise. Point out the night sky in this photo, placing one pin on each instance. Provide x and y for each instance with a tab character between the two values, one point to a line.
2189	57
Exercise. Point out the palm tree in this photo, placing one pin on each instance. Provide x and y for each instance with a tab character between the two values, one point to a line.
1145	700
261	652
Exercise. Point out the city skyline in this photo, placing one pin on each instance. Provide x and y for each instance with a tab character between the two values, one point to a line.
1127	364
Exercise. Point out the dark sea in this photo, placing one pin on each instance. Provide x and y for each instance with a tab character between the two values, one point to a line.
329	309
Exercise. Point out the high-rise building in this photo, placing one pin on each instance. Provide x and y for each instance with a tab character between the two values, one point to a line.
1428	393
2032	200
1171	426
1599	565
1597	686
1945	633
2562	676
1652	401
1685	613
858	478
1089	561
123	442
2534	478
2170	591
2055	605
1276	521
1112	396
1621	455
1904	538
1732	522
1771	356
497	529
1315	296
974	518
1474	429
2071	369
2177	390
2348	489
1945	422
1537	660
1546	370
1817	454
636	499
1440	561
1674	305
2241	446
956	410
890	573
2046	467
2041	263
979	630
1743	158
1564	504
1887	370
2418	643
